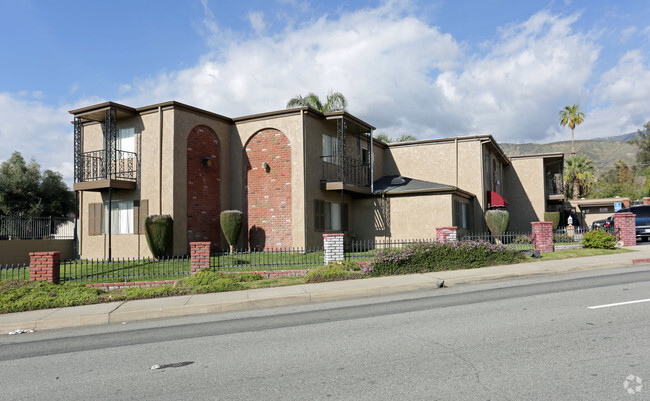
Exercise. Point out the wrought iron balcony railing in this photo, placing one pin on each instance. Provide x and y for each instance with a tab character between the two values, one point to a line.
95	165
554	186
345	169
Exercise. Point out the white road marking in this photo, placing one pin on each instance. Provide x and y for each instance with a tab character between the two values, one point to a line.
618	304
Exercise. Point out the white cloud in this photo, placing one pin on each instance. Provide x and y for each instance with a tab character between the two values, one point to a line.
256	20
37	131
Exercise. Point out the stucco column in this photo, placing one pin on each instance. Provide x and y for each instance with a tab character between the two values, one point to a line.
625	224
44	266
542	236
446	234
200	256
333	244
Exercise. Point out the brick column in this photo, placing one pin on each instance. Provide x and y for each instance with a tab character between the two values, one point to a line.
44	266
446	234
646	200
625	224
333	244
200	256
542	236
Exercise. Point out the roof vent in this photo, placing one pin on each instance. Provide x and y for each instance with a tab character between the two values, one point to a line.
399	180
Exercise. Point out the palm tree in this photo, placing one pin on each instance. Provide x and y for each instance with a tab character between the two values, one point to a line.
573	116
402	138
579	171
335	102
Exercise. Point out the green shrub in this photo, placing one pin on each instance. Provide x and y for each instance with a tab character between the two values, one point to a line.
159	231
563	238
599	239
231	225
497	221
432	256
336	271
522	240
553	217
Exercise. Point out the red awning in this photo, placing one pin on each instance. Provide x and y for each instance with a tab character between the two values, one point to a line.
496	200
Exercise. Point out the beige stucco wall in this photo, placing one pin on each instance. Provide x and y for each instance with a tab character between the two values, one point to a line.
458	163
162	182
524	180
410	216
17	251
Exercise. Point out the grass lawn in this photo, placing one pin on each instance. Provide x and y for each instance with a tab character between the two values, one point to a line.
19	295
576	253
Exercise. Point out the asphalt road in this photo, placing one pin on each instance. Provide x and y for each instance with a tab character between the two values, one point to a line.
517	340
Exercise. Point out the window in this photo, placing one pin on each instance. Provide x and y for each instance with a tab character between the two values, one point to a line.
126	139
330	216
127	217
121	216
461	214
330	149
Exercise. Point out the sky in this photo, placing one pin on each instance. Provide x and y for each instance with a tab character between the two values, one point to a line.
432	69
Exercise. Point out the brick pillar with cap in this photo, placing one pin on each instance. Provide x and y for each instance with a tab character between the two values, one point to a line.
542	236
44	266
625	224
200	256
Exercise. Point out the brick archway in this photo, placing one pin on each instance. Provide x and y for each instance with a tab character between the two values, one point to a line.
203	186
267	190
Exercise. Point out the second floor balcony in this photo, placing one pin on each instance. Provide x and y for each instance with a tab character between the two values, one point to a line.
345	173
99	169
554	187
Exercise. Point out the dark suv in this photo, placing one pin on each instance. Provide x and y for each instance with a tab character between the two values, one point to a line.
642	220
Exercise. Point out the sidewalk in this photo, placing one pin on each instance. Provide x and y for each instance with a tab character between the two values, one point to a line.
117	312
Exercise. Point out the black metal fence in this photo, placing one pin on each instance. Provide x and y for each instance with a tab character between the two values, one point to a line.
269	259
14	272
521	241
364	250
25	227
125	270
569	236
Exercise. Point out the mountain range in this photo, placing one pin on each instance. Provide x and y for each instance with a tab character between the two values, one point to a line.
604	152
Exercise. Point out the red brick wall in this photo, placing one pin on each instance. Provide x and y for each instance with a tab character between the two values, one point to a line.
626	225
44	266
203	187
542	236
267	192
446	234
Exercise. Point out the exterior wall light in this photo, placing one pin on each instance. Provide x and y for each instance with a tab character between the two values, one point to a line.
206	162
265	166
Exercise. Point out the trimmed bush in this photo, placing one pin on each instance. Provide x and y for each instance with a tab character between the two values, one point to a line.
423	257
553	217
231	225
159	231
599	239
497	221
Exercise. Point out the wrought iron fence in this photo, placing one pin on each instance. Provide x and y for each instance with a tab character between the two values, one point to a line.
364	250
521	241
269	259
349	170
567	236
125	270
24	227
14	272
93	165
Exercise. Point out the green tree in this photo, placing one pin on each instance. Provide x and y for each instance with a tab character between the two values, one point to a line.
573	116
578	171
25	191
642	140
619	181
335	102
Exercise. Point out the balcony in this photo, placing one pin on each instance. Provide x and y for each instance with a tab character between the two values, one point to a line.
345	173
554	187
97	171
